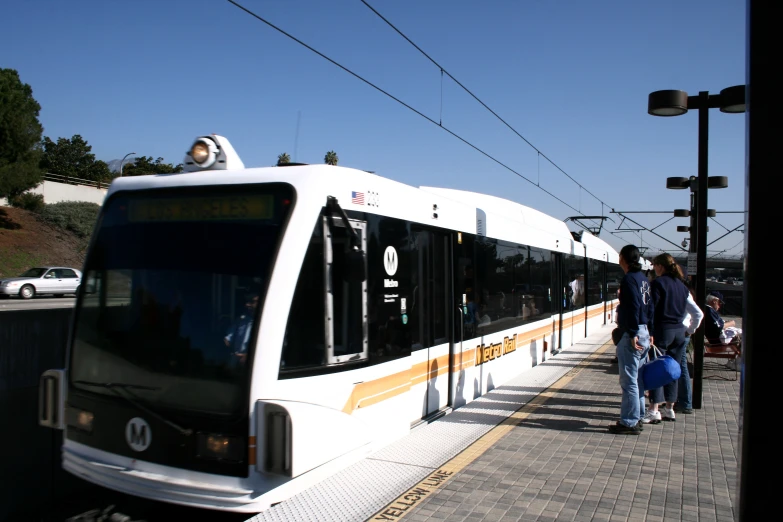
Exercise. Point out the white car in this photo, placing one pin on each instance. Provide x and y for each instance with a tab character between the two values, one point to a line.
57	280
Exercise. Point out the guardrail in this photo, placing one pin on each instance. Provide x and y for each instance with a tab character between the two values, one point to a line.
70	180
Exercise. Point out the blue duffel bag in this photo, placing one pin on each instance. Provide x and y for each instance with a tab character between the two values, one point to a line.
660	371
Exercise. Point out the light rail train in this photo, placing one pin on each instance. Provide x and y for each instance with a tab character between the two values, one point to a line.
243	333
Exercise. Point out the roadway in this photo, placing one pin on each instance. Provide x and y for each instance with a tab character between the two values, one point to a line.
46	302
37	303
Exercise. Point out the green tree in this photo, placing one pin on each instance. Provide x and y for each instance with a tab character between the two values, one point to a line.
331	158
72	158
144	165
283	158
20	136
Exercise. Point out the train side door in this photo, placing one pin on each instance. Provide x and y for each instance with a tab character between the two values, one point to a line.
430	301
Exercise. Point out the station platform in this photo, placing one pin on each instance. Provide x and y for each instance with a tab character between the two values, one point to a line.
538	449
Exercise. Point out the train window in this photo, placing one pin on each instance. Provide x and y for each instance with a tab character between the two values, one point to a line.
614	274
429	298
595	282
327	323
497	282
541	282
403	306
439	283
415	253
465	281
175	279
346	303
512	283
394	299
304	345
575	282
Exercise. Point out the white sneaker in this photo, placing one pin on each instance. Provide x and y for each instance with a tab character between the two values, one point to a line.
652	417
667	414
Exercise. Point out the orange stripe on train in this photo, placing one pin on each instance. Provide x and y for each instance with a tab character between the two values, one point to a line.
375	391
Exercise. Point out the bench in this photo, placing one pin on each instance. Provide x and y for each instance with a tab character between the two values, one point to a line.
731	351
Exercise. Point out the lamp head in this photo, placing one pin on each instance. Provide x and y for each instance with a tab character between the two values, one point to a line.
667	103
677	183
732	99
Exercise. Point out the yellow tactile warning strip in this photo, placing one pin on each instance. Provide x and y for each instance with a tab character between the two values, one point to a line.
412	497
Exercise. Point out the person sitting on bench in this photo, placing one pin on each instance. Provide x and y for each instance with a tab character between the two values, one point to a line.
716	330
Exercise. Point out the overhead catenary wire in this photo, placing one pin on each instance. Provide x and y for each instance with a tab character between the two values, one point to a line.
444	71
735	246
538	151
617	233
726	251
300	42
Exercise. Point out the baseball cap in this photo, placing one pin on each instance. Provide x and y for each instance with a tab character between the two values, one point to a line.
718	295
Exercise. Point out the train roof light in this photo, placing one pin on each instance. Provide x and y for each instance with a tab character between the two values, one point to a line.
211	152
200	152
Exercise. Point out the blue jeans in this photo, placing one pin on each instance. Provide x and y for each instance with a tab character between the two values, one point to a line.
684	394
629	360
673	343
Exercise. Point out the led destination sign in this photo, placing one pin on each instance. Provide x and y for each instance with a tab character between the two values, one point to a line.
218	208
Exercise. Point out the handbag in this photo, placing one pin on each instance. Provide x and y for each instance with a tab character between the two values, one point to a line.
660	371
617	334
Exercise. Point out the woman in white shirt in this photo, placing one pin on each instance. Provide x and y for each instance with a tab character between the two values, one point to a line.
693	316
692	320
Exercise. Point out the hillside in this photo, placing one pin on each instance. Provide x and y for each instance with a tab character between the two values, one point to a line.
26	241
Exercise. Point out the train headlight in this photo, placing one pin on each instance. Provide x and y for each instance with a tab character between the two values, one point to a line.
220	447
199	152
203	153
211	152
79	419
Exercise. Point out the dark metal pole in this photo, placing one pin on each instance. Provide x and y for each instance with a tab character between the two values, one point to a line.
692	246
701	248
760	320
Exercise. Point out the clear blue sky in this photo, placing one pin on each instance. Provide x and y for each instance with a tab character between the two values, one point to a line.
571	76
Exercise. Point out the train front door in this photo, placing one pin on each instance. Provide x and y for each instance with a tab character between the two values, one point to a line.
430	302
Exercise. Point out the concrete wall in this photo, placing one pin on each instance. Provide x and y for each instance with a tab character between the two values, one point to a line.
54	192
32	480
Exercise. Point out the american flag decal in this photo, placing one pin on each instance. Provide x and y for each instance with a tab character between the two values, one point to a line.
357	197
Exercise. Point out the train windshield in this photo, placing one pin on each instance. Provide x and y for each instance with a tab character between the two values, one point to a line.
173	287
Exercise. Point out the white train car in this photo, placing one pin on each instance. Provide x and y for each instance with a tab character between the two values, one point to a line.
243	333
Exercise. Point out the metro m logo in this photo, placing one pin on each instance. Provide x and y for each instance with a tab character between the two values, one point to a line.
390	260
138	438
138	434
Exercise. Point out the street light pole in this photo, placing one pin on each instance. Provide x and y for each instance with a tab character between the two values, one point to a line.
123	161
701	247
675	103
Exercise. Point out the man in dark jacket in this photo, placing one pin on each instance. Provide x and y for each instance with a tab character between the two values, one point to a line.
716	330
635	318
238	335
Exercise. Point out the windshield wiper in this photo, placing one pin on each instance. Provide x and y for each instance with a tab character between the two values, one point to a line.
117	385
115	388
